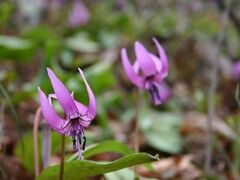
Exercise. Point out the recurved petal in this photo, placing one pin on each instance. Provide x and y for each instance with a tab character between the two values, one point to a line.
64	97
82	109
136	67
157	62
145	61
160	75
85	118
92	108
49	114
163	58
85	121
137	80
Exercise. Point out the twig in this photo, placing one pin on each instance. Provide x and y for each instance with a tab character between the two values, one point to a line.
35	140
213	87
62	158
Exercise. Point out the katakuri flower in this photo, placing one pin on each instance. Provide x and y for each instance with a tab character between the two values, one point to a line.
79	15
236	71
77	116
148	70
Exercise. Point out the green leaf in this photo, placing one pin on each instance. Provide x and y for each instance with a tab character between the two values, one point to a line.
107	102
106	146
14	43
26	155
15	48
126	173
6	9
82	42
83	169
161	130
99	75
163	24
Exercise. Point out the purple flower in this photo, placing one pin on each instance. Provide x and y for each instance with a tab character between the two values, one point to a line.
77	116
79	15
120	4
165	92
236	71
148	70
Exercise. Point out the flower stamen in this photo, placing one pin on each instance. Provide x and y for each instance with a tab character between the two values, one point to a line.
84	142
154	92
74	142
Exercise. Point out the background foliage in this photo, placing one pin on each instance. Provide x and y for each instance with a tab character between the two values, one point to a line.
36	34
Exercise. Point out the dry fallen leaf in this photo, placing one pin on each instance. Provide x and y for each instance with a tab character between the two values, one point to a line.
179	167
195	121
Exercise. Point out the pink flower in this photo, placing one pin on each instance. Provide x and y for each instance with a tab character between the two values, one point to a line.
79	15
236	71
77	115
148	70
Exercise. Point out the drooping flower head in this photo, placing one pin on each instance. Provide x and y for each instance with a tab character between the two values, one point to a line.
148	70
79	15
77	116
236	71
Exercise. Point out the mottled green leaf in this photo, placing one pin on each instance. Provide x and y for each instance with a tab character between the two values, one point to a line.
83	169
106	146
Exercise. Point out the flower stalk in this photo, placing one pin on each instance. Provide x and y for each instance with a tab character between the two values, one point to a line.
61	173
35	140
137	128
46	145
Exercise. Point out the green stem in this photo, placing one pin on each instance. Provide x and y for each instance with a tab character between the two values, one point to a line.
136	128
62	159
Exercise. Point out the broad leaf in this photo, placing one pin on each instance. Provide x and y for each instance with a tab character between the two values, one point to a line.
14	43
126	173
26	155
14	48
81	42
161	130
83	169
107	146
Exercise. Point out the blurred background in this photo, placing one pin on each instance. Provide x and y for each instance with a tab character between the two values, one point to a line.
202	42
